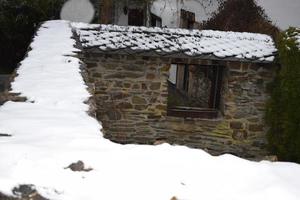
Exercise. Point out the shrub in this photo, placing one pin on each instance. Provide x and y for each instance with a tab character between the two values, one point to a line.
18	20
283	110
241	16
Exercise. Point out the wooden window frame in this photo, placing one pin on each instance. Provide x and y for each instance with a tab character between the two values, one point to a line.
215	98
187	19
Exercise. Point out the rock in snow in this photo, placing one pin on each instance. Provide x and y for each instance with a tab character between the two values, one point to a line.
78	167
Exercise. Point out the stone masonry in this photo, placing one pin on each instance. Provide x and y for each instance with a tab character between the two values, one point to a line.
131	94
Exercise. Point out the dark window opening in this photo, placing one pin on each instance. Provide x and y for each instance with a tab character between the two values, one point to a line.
196	92
136	17
156	21
187	19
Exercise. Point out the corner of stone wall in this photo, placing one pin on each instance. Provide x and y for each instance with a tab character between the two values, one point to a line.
91	101
91	89
7	95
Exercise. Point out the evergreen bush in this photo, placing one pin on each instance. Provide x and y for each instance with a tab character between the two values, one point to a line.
283	110
18	20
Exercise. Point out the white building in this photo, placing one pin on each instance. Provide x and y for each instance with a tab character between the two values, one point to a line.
165	13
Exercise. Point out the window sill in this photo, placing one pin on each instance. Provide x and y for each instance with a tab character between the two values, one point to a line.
188	112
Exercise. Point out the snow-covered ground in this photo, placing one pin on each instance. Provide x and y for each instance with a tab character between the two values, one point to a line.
52	130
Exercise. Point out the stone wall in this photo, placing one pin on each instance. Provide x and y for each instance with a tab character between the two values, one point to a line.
131	96
5	95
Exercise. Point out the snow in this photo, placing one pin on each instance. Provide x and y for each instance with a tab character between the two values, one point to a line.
297	37
52	130
167	41
173	74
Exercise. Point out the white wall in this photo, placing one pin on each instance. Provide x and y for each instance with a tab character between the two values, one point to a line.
120	18
169	10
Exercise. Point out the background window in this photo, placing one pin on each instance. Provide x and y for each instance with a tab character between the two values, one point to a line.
173	74
156	21
136	17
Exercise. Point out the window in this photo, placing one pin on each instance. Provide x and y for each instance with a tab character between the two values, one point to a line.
187	19
156	21
195	92
136	17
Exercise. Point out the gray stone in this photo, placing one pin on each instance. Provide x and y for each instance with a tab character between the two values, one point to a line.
255	127
97	75
25	192
239	135
132	67
236	125
114	115
144	86
91	65
5	135
139	100
119	95
140	107
127	85
136	86
78	167
123	75
125	105
155	86
109	66
150	76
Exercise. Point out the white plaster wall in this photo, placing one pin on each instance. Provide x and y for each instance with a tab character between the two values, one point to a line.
120	18
169	10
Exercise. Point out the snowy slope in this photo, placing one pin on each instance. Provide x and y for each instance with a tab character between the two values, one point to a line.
52	130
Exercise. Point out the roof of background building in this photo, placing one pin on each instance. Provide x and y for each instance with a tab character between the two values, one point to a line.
168	42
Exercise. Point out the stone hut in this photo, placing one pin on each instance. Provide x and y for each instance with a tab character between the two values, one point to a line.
202	89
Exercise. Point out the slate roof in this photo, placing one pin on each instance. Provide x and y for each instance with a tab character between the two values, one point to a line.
168	42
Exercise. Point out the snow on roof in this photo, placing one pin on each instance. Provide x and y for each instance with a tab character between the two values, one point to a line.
297	37
292	34
168	42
